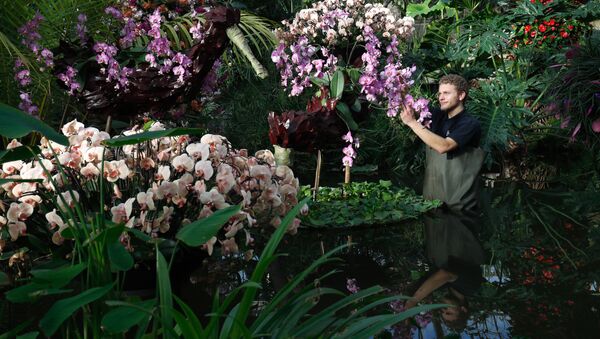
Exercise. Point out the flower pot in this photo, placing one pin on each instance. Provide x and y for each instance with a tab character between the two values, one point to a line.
282	155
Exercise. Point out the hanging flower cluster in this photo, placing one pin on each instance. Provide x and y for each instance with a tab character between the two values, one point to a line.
310	45
30	38
156	186
23	78
349	152
355	41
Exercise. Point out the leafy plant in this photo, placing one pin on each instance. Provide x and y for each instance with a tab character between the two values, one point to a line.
287	314
364	203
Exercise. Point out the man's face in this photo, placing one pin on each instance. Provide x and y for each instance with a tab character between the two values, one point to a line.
449	97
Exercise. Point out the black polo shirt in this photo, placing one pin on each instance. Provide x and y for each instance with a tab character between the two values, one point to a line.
462	128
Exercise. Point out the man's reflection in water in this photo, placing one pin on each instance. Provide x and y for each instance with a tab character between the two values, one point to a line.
455	255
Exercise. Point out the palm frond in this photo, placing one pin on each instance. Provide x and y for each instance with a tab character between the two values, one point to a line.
494	104
254	34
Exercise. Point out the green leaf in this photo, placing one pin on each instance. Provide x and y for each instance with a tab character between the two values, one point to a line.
31	292
354	74
337	84
200	231
16	124
191	317
139	234
356	106
164	291
18	153
13	333
125	317
263	263
120	258
63	309
186	329
29	335
319	81
189	42
8	180
344	114
59	277
174	36
150	135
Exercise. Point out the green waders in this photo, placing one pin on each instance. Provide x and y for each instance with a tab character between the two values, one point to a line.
453	181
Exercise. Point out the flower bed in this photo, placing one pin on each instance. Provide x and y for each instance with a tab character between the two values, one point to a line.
152	186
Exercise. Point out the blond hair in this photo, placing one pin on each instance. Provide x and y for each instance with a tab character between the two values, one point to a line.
459	82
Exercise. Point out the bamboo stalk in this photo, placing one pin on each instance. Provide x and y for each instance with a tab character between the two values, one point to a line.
347	174
108	124
317	175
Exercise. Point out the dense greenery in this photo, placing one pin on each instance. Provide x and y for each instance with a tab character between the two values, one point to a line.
364	203
533	66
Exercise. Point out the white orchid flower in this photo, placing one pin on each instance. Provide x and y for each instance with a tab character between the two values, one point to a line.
203	169
198	151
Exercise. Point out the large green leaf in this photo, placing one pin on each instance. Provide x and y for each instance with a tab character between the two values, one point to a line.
150	135
18	153
59	277
16	124
29	335
32	291
120	258
63	309
200	231
127	315
337	84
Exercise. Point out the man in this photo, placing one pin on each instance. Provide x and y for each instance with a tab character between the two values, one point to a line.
455	255
453	156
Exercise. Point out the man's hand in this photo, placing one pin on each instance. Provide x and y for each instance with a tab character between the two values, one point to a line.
407	115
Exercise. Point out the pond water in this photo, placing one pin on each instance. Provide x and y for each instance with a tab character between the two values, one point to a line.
527	267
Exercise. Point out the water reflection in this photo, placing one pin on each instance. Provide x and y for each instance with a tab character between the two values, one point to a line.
512	273
456	256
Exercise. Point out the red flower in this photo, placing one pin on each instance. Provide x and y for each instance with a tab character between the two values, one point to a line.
551	22
542	28
548	274
564	35
527	28
570	27
532	34
528	281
